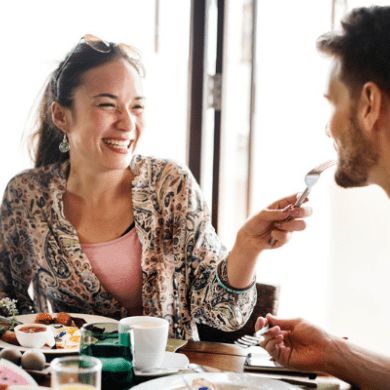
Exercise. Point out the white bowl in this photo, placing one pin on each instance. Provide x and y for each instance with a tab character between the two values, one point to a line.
34	335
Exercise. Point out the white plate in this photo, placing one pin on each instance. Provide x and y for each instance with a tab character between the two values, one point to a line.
229	381
26	318
11	373
173	362
28	387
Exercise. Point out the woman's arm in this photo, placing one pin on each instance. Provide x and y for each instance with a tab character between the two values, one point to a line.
16	249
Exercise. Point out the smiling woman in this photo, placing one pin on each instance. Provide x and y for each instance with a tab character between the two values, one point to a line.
98	229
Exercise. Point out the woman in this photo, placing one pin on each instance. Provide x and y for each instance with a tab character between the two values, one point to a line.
98	229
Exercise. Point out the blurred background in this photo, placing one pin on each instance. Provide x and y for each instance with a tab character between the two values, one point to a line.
234	90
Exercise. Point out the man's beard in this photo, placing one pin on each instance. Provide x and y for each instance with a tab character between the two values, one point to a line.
356	157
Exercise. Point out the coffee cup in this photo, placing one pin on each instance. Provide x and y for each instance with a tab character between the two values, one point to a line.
34	335
149	336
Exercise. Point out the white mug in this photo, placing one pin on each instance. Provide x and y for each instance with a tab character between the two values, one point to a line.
149	336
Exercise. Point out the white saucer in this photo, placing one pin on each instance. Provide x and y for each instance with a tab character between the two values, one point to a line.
173	362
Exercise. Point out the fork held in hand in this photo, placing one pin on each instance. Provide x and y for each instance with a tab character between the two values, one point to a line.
249	341
311	178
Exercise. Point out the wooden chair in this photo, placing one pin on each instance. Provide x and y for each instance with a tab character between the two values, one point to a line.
267	302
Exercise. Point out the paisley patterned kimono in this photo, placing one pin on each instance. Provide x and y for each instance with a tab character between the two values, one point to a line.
183	262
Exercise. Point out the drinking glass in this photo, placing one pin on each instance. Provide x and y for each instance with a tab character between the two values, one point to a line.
76	373
113	349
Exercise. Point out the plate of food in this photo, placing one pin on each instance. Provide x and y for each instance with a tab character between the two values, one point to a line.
65	327
214	381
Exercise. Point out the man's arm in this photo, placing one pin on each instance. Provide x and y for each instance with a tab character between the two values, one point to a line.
298	344
357	365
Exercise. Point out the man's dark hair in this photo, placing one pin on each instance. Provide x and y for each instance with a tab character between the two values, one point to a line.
363	48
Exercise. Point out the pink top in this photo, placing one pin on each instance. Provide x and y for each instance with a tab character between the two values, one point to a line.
117	264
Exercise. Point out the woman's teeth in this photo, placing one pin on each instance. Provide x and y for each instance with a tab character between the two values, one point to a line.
117	143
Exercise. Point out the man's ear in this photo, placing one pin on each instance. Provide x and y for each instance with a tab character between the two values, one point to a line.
59	116
370	105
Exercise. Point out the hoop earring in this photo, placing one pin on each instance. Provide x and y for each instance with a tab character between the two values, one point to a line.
64	145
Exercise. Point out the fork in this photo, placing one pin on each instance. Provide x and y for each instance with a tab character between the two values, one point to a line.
247	340
311	178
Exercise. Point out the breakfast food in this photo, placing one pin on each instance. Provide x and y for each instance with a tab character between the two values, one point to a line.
44	318
12	354
33	360
32	329
66	336
64	319
65	328
9	337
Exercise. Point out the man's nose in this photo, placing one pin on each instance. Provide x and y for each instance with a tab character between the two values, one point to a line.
327	130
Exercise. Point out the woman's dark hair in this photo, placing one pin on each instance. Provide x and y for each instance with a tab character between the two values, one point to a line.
363	48
60	87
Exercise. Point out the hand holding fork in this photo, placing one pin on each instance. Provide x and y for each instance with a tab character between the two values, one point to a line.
311	178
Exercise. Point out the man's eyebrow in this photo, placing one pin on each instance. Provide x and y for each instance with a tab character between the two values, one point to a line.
111	96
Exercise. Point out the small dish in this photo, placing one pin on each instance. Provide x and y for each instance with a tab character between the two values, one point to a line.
173	362
34	335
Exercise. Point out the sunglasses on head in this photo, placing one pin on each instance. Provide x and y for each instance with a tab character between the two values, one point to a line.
100	46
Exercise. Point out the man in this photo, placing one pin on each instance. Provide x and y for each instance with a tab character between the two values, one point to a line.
359	93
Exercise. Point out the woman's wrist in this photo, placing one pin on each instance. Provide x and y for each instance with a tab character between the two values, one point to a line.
224	282
244	248
241	267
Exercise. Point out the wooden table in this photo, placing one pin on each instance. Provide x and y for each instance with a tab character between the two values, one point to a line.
228	357
224	357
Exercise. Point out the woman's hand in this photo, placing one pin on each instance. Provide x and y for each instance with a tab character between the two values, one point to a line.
270	228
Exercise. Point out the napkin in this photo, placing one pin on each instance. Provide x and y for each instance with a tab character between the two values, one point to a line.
174	344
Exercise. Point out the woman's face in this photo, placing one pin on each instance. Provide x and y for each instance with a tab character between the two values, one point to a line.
106	119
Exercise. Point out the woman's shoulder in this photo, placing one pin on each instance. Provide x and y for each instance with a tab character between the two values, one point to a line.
36	179
157	168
